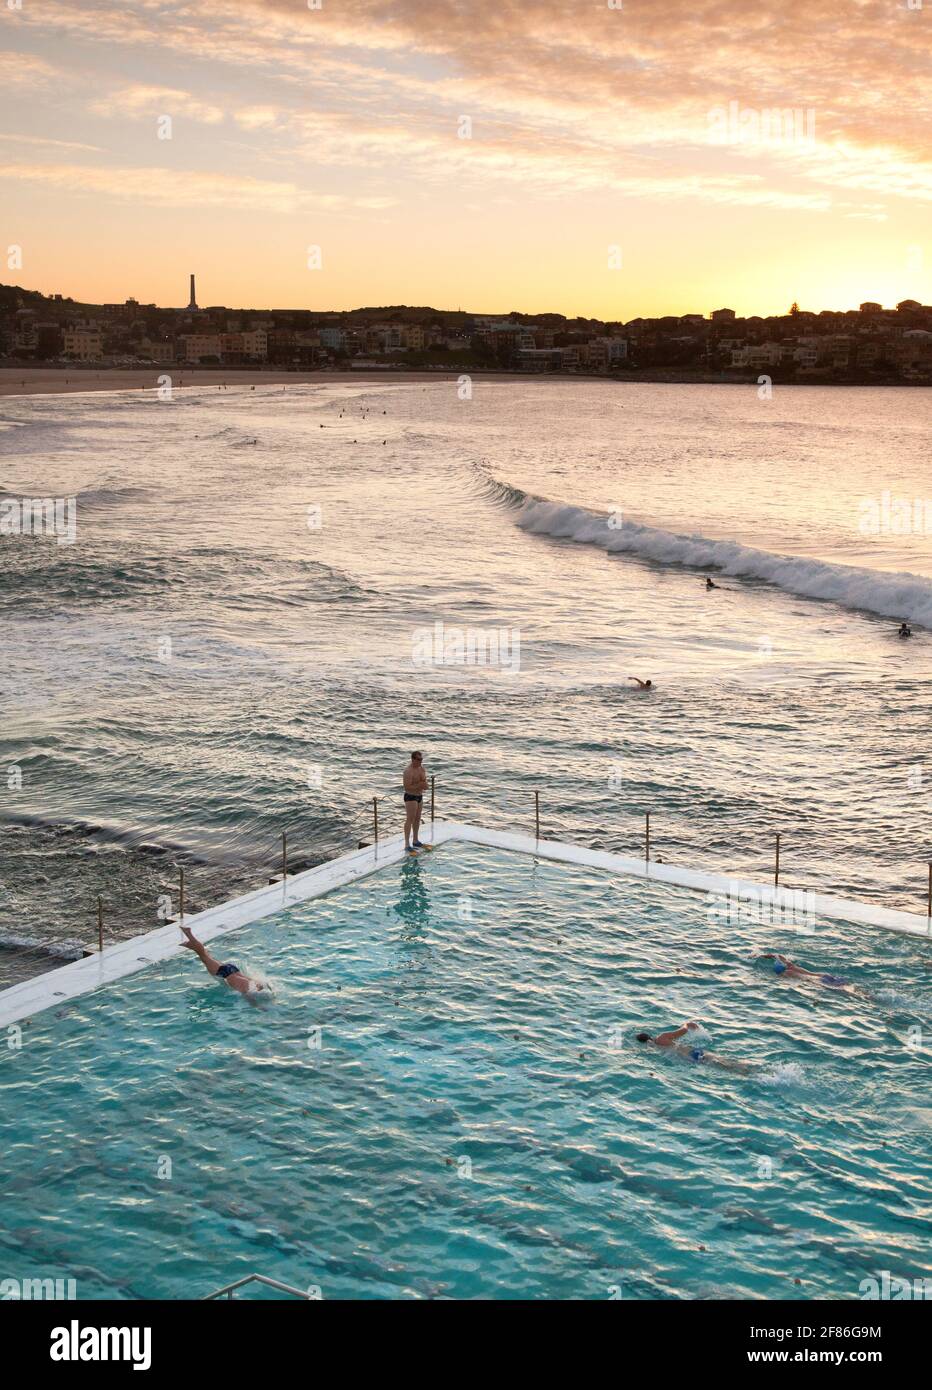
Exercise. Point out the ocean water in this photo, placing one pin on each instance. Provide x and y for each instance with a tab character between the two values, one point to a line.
234	645
447	1099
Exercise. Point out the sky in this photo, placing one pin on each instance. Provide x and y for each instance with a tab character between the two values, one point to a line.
610	158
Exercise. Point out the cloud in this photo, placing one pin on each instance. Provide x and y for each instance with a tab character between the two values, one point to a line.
564	98
141	100
171	188
14	139
258	117
25	70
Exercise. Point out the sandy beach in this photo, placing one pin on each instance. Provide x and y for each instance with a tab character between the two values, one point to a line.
39	381
52	381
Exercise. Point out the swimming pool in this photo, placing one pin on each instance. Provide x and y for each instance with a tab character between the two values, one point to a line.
446	1099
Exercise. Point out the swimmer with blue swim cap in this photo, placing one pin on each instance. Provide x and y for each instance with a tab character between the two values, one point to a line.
691	1051
782	965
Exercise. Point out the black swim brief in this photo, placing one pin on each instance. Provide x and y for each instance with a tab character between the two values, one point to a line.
409	796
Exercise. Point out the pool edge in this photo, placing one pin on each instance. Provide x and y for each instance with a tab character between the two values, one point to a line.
77	978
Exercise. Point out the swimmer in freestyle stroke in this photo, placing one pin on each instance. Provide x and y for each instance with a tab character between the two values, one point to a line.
690	1050
783	966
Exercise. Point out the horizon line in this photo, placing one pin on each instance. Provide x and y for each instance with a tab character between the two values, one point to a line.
466	313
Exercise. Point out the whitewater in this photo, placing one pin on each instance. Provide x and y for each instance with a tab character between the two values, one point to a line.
900	596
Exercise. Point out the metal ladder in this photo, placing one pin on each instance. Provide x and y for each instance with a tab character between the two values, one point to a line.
228	1289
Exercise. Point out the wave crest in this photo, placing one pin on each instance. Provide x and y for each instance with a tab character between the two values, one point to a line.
499	491
898	595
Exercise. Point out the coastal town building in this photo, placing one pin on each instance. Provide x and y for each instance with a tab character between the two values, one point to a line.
201	347
866	344
83	344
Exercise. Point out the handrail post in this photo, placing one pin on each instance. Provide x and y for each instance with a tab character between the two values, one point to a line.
181	915
284	855
929	895
776	863
537	815
647	837
432	781
375	819
100	925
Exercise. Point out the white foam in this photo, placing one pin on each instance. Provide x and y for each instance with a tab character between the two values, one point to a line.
899	1001
783	1074
59	950
902	595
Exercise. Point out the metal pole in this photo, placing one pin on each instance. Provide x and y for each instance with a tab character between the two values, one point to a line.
776	863
375	818
284	856
100	922
432	781
537	815
647	837
929	899
181	871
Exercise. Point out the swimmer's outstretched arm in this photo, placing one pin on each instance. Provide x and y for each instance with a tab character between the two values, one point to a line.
642	684
799	972
794	971
674	1035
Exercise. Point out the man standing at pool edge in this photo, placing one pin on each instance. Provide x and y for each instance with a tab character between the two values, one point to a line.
414	779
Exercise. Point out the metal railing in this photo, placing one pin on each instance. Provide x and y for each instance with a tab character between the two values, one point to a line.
228	1290
393	796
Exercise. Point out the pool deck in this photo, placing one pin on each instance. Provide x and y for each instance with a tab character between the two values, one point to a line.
70	981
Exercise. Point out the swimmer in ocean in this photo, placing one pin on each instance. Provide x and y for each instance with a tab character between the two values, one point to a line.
642	685
709	584
782	965
905	630
691	1050
230	974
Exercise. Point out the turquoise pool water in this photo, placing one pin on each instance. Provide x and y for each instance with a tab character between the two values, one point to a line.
478	1120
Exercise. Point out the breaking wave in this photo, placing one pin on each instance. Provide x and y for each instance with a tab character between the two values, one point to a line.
57	950
888	595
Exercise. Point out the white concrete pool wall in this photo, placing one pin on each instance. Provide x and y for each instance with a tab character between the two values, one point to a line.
126	957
